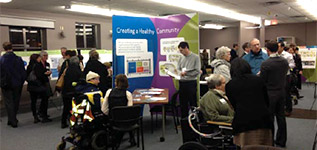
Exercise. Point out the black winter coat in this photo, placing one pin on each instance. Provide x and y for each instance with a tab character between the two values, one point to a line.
249	98
73	74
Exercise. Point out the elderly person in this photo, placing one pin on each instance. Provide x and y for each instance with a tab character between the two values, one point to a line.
96	66
252	123
214	104
221	64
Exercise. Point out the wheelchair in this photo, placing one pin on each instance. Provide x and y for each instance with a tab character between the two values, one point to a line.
208	135
89	130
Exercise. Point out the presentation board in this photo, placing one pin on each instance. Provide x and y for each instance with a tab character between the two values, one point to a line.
145	47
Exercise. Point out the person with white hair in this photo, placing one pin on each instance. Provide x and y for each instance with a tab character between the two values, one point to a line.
221	64
44	71
214	104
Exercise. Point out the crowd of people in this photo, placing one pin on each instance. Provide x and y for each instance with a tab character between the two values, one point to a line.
251	90
247	91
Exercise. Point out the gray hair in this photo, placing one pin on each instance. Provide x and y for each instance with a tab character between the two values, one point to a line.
222	51
42	53
214	80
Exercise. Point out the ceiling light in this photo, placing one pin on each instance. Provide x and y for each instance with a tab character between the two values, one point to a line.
101	11
309	6
5	1
210	9
212	26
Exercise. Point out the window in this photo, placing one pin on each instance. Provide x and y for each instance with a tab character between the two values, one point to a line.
86	35
27	38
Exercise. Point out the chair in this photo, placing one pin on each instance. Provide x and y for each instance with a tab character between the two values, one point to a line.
126	119
171	107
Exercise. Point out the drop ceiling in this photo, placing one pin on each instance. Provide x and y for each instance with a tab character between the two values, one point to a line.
285	11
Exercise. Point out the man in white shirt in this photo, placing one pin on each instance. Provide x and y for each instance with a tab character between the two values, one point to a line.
291	64
61	60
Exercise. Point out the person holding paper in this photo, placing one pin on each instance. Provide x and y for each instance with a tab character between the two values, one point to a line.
189	65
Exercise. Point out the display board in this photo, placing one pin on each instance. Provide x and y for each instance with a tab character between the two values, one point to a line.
144	47
55	55
308	56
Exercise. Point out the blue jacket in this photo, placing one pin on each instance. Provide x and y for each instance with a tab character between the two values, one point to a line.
12	68
255	61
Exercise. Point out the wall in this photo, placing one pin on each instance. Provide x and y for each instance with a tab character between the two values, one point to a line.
304	33
65	20
245	35
209	38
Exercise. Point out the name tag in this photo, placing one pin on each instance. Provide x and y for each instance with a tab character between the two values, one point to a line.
183	69
223	101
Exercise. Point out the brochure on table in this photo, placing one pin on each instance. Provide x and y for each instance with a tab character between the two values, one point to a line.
146	48
308	56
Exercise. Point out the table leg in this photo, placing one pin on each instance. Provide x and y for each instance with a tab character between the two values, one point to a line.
162	139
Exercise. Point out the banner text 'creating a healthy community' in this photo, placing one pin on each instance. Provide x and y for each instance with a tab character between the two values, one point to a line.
145	31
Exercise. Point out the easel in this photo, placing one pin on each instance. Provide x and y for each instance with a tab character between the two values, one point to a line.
315	96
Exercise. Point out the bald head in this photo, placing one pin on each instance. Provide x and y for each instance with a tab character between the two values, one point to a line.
255	45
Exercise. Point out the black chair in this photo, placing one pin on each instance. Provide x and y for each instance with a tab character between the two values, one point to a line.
171	107
126	119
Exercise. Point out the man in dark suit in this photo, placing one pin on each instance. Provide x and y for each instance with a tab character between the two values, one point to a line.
273	72
234	51
246	48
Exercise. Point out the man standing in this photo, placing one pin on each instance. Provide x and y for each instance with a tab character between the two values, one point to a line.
234	51
246	48
256	56
291	64
190	69
61	60
273	72
13	75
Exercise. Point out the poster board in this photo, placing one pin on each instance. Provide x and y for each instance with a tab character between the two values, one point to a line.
308	60
154	48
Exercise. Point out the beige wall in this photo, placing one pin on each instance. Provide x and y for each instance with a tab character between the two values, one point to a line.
209	39
245	35
68	22
304	33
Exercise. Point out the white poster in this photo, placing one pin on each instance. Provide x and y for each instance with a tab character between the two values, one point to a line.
308	58
170	45
131	46
137	65
170	66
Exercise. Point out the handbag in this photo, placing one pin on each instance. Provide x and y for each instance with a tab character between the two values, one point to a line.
60	81
31	77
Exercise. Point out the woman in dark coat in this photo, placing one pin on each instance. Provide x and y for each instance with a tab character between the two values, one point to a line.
40	87
73	74
252	123
96	66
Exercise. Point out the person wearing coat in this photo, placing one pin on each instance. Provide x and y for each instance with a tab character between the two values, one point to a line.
96	66
252	123
221	64
214	104
73	74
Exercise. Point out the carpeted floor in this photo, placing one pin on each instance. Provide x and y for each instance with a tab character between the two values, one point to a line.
303	114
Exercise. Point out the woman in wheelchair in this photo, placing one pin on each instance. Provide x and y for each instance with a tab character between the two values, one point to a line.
252	123
214	104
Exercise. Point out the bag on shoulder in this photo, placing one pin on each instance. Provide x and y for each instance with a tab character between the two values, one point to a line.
60	81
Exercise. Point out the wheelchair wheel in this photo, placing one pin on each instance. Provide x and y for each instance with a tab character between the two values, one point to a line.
99	140
193	146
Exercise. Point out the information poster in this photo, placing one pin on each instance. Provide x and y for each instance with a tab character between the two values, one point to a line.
170	45
308	57
137	65
129	46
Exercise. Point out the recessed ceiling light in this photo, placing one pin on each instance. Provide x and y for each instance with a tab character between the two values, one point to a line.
212	26
100	11
5	1
195	5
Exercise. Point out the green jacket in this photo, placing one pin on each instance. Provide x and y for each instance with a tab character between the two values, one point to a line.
215	107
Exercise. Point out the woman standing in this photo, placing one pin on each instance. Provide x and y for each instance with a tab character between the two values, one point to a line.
221	64
252	123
